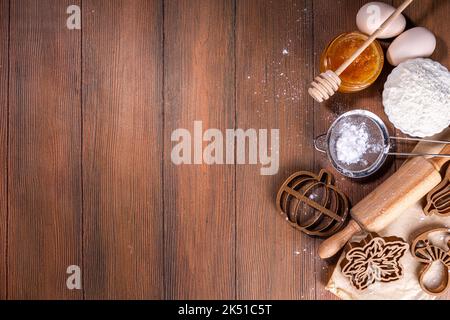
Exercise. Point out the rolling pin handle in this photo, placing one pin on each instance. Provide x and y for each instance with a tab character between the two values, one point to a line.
332	245
440	162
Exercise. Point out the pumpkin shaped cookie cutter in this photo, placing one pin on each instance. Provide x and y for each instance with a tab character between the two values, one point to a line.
427	253
438	199
312	204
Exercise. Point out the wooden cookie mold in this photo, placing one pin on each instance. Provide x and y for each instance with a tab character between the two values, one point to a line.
312	204
373	259
438	200
427	253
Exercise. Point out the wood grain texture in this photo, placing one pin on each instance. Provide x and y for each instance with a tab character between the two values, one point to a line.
199	199
274	66
4	70
86	119
122	148
44	230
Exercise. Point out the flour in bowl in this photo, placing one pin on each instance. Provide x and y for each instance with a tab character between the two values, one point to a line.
416	97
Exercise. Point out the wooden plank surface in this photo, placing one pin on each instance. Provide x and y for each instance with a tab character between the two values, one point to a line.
86	121
274	65
44	225
4	70
122	149
199	199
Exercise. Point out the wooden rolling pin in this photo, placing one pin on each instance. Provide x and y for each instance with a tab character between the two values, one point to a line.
389	200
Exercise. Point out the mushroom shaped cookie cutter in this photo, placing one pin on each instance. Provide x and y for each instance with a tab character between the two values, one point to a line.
426	252
312	204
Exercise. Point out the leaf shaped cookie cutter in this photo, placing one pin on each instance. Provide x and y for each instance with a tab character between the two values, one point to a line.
424	251
373	259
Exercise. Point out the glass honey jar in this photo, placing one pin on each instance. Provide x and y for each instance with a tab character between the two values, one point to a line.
363	71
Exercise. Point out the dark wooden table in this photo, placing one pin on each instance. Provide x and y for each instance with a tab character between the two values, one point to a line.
86	118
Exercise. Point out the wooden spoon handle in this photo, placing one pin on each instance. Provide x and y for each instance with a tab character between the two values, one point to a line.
375	35
333	244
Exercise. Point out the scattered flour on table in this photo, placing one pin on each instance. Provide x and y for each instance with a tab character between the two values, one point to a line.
416	97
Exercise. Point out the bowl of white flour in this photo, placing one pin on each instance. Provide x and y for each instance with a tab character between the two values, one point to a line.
416	97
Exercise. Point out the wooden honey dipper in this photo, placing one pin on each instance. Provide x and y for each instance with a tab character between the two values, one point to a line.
389	200
327	83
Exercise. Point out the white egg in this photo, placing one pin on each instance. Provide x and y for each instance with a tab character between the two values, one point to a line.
372	15
415	43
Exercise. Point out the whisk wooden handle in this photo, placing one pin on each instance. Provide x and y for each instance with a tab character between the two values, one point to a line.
326	84
372	38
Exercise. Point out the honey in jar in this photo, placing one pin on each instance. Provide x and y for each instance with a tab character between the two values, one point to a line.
363	71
